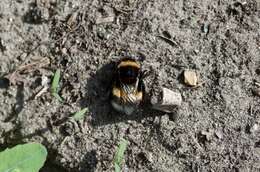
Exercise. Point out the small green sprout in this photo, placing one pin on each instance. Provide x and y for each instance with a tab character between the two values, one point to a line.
80	114
118	160
55	85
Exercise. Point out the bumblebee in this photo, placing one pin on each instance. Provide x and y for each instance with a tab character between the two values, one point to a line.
128	89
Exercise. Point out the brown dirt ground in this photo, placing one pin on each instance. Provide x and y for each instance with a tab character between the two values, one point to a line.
217	128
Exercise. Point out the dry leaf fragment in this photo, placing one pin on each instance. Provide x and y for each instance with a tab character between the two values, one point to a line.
16	76
72	21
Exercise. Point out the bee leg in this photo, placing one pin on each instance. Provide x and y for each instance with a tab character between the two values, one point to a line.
144	74
129	110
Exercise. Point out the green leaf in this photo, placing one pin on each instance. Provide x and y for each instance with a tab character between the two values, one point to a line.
29	157
57	96
80	114
55	82
117	168
120	154
55	85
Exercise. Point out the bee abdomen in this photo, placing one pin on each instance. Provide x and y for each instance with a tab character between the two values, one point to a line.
126	103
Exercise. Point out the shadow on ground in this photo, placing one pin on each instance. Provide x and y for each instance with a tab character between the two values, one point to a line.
97	99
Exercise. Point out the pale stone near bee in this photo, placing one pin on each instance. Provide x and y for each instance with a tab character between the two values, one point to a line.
190	78
167	100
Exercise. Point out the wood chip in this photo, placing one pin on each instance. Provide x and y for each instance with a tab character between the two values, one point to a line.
41	92
190	78
167	100
108	19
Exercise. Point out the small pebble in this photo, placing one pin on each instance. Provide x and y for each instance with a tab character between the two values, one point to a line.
44	80
207	134
254	128
205	28
64	51
219	134
190	78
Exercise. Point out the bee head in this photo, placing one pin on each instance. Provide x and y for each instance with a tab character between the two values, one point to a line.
128	71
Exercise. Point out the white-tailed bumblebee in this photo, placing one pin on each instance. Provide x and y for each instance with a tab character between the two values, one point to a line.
128	89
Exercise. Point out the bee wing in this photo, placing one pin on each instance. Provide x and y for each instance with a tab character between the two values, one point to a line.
129	93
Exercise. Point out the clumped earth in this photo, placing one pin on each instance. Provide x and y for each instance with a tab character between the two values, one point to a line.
217	127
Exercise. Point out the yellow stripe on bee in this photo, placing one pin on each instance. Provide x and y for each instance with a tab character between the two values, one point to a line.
120	94
139	95
129	63
116	92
